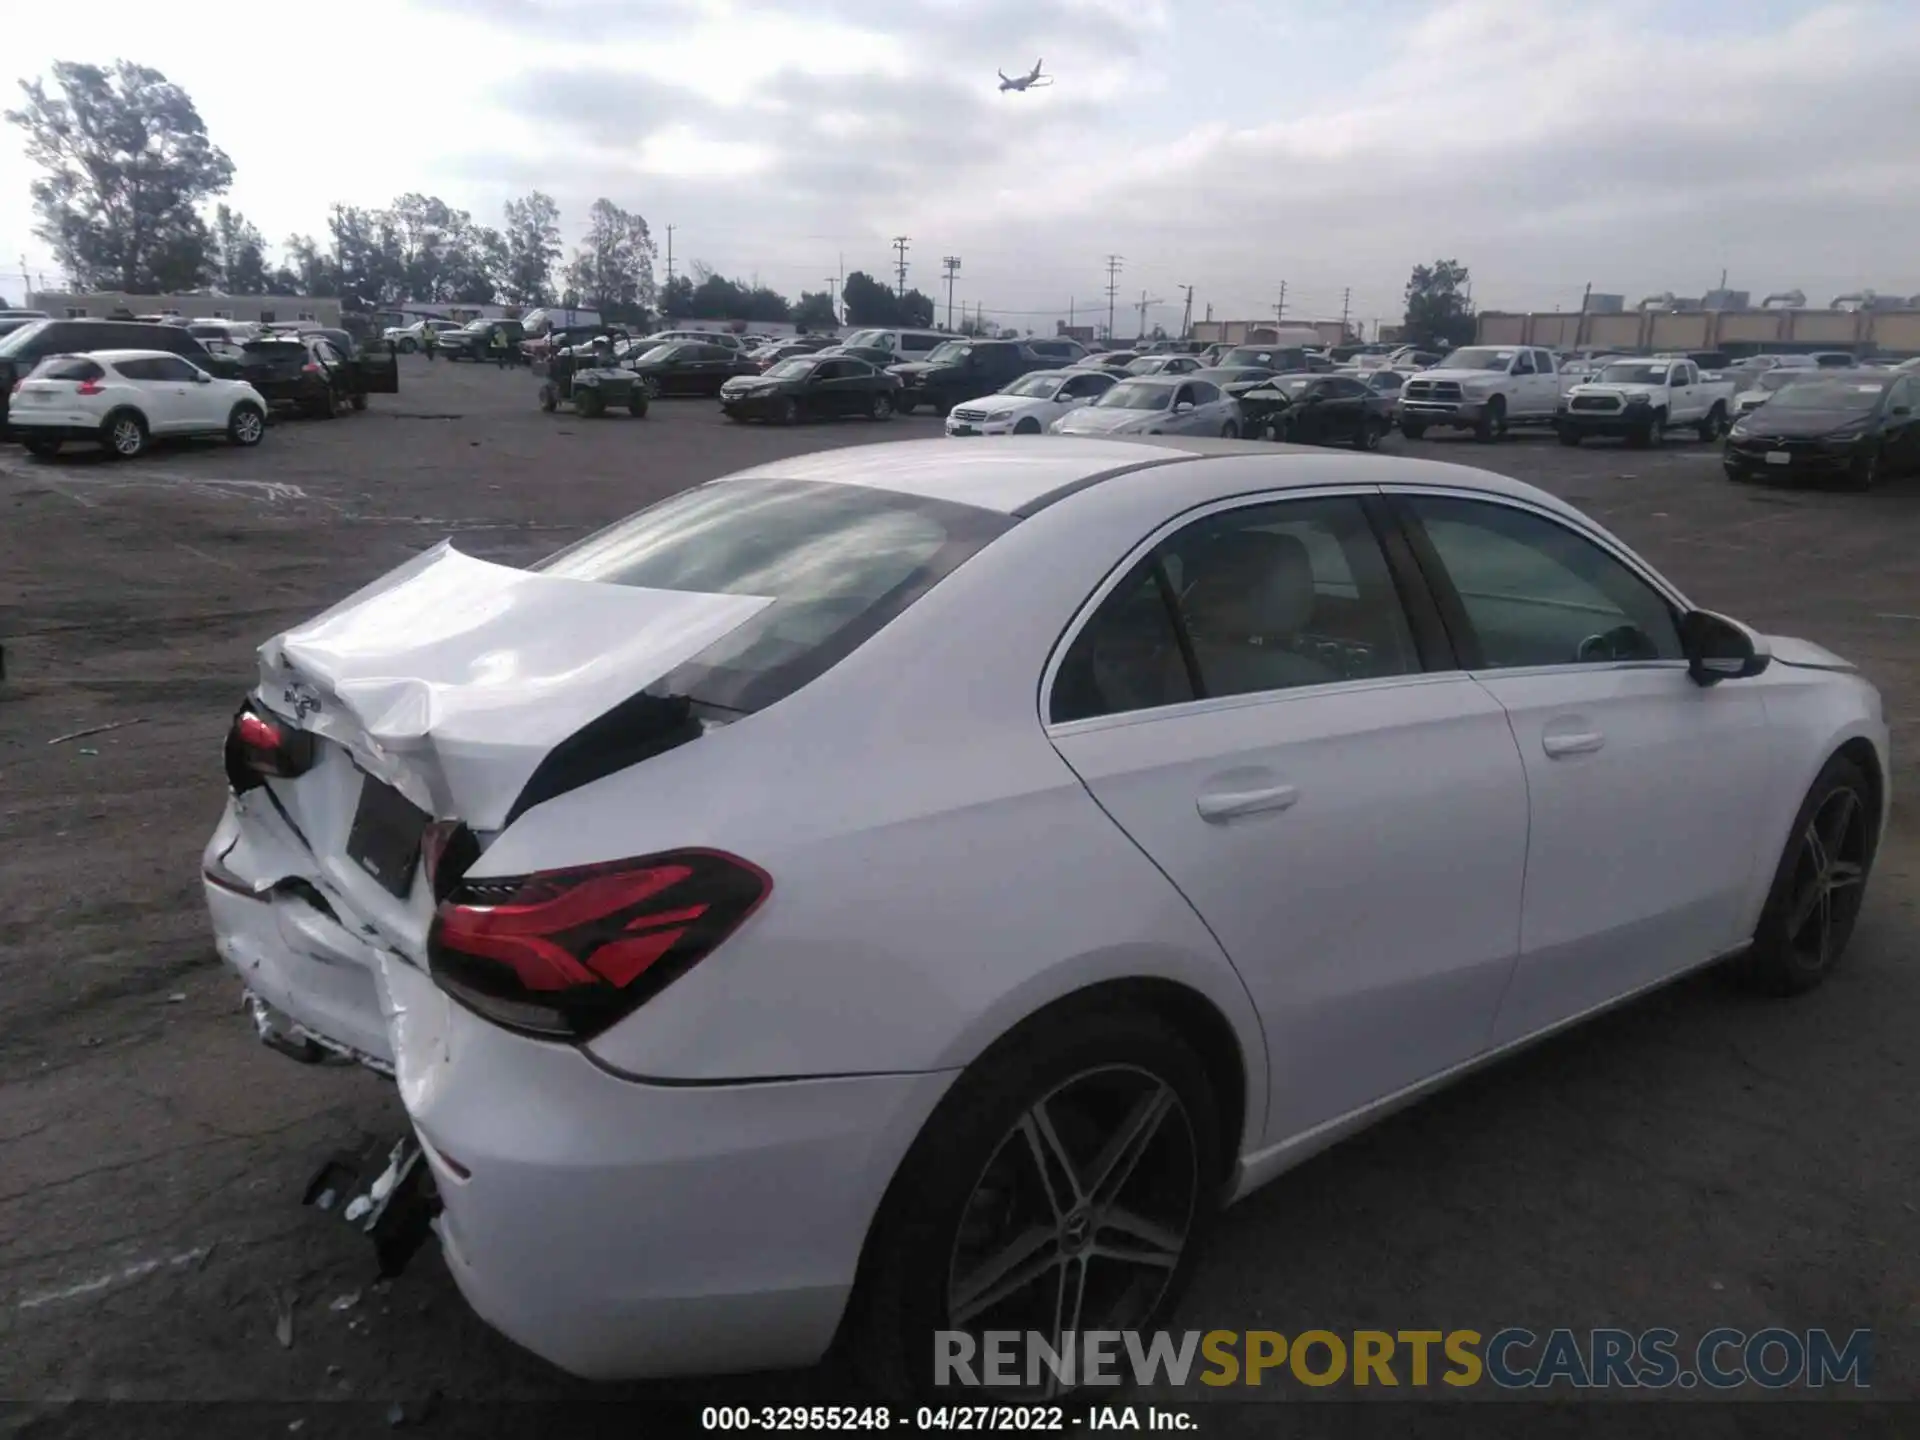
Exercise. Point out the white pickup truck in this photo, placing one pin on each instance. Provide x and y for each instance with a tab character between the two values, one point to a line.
1485	389
1640	400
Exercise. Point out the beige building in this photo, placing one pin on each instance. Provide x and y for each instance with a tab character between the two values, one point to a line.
1269	332
1865	332
101	304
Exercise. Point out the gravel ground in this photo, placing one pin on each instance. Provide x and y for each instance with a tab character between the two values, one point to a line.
1695	1160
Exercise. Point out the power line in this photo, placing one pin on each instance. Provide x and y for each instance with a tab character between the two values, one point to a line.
1113	288
900	263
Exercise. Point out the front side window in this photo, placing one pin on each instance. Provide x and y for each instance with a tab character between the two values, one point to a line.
172	367
1262	598
1537	593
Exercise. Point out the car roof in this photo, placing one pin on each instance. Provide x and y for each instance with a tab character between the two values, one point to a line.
1022	478
114	357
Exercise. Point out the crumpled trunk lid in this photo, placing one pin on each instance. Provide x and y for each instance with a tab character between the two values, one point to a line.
452	678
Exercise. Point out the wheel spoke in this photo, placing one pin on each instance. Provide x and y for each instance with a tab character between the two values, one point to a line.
1043	1144
1068	1297
1804	907
1839	822
1143	1255
1139	1228
1012	1269
1816	844
1122	1153
1824	911
1844	873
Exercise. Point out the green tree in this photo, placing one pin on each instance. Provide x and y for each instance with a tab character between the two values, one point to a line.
815	312
612	270
763	306
1437	308
367	257
125	162
715	297
533	248
313	271
239	253
916	310
676	298
868	302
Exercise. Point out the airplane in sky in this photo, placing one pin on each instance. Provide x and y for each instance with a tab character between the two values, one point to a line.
1026	82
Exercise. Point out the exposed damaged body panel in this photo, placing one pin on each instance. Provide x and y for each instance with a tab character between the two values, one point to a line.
451	679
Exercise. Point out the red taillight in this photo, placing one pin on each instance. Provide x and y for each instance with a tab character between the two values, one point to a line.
566	953
260	747
310	368
90	387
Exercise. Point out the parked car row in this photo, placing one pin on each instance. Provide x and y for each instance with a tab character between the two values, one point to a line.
122	384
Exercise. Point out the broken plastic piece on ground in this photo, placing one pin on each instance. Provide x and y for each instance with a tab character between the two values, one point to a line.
395	1209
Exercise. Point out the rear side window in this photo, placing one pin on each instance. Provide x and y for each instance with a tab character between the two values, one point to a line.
920	343
67	367
147	369
838	561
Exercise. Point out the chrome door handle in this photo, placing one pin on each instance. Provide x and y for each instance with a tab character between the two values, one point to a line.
1583	742
1220	806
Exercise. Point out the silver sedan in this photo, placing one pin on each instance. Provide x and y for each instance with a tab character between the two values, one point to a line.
1178	405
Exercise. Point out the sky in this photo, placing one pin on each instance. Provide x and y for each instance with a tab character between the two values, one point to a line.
1637	146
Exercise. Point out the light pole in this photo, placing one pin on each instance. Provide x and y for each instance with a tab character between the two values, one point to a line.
952	266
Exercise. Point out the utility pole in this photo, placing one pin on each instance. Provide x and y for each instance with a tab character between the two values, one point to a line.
670	255
1070	312
951	264
1186	318
1144	303
1346	298
833	299
1113	289
1280	308
900	263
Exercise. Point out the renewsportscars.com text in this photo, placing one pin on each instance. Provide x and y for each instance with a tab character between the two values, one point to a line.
1511	1359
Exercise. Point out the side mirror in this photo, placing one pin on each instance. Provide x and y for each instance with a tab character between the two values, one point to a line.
1721	649
200	377
1900	412
1183	407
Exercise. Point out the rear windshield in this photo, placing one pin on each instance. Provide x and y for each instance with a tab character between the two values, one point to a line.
838	561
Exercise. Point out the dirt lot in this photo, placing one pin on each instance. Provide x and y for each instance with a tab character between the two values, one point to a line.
1697	1160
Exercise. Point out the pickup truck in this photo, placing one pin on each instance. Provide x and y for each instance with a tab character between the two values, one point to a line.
1640	400
1485	389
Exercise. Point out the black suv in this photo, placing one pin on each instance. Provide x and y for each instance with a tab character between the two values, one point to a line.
961	370
26	347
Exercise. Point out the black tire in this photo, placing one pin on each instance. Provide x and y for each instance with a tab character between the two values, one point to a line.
359	400
42	449
1569	436
903	406
786	412
1738	474
1230	431
881	407
124	434
1785	959
637	403
408	345
549	398
904	1291
1714	426
246	426
1028	426
1412	430
1492	423
1369	435
1648	435
589	403
1864	473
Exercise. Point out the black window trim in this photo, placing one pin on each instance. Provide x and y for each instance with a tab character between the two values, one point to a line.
1453	611
1432	658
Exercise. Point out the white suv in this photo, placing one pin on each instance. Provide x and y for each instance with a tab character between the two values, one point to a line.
122	399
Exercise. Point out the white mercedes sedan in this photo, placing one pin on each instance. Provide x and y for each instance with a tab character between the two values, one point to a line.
913	887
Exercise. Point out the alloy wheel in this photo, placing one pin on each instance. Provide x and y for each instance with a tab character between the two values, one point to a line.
1829	879
1081	1216
246	426
126	437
